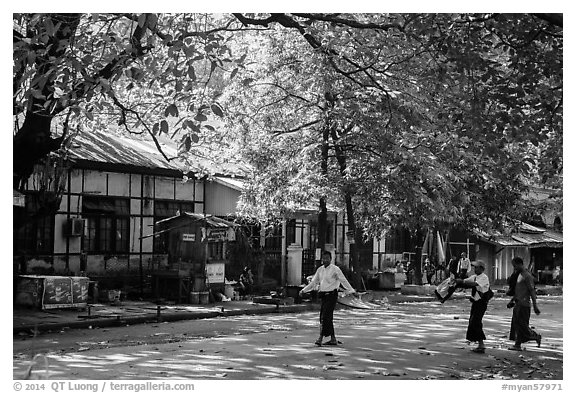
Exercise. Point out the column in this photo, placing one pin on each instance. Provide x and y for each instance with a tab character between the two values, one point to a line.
294	268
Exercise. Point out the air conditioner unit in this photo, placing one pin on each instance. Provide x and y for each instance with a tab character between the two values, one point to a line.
75	227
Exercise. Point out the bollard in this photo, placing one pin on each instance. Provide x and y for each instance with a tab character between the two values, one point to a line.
158	317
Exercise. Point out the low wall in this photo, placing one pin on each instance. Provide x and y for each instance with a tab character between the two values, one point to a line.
417	289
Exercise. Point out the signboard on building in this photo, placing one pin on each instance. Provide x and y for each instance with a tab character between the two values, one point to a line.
350	237
217	234
215	273
188	237
19	199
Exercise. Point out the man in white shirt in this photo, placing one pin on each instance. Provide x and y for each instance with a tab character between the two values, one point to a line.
480	285
463	266
328	277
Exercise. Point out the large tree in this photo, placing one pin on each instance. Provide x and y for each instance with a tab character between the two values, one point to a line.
432	119
414	120
141	73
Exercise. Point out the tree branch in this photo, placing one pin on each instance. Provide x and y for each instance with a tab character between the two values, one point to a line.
135	113
311	123
333	18
554	19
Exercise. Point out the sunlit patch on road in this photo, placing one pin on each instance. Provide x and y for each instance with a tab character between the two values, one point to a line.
402	341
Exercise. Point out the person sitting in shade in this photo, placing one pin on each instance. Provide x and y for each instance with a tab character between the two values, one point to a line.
246	281
428	270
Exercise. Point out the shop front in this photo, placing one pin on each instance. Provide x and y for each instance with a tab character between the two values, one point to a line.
197	246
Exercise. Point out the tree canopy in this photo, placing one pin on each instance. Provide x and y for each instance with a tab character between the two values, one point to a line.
430	119
407	119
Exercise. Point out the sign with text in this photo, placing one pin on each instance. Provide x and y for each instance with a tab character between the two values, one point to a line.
188	237
215	273
217	234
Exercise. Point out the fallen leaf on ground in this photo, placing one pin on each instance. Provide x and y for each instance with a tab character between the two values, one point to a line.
325	368
304	366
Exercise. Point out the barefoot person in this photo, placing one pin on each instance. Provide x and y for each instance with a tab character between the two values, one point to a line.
480	285
329	277
524	291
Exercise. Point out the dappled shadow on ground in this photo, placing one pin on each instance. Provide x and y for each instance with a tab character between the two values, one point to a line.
405	341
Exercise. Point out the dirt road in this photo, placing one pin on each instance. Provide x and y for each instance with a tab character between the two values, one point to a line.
407	341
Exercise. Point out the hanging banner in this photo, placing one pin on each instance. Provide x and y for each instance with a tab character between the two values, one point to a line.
441	253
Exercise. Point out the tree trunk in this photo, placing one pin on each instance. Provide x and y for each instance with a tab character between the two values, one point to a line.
33	142
323	213
418	260
354	248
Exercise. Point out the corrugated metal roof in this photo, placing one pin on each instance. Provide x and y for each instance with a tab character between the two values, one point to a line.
526	236
135	150
184	219
212	221
117	149
527	228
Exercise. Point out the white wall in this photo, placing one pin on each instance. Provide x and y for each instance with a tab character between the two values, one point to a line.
67	250
220	200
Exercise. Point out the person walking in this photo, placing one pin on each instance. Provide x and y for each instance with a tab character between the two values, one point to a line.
463	266
452	269
328	277
524	292
480	285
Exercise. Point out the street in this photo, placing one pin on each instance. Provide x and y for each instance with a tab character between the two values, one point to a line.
404	341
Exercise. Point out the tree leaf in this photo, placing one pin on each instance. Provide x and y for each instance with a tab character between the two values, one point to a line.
171	110
141	20
164	126
217	110
187	143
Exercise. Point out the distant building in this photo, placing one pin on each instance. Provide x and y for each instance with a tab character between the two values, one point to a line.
540	248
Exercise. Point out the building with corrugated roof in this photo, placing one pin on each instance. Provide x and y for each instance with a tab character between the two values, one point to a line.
115	191
540	248
119	192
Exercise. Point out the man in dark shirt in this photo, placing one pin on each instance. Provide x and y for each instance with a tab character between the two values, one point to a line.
453	266
524	292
